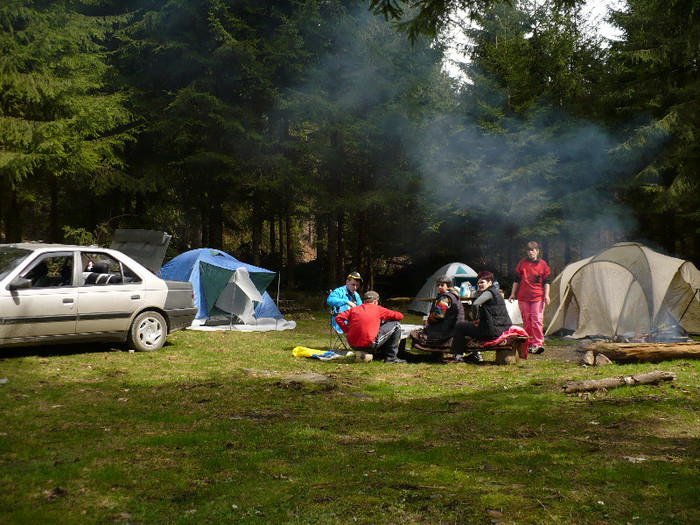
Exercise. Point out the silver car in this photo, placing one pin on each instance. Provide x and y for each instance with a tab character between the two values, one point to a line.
54	293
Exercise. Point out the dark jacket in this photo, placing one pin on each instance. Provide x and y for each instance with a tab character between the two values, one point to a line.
440	326
494	314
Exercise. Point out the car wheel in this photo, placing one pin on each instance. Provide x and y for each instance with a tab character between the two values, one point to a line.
148	332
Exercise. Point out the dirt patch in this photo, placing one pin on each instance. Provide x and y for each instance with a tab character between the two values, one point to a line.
559	353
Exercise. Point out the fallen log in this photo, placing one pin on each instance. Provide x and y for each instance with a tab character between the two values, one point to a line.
645	352
590	385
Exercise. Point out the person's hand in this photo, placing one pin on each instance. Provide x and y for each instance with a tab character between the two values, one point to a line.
511	299
547	300
351	304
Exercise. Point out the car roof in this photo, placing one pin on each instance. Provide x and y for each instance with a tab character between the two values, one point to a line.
35	246
38	247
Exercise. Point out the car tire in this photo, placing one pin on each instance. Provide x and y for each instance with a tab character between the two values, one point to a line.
148	332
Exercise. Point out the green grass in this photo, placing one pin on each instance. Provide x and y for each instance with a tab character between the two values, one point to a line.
204	431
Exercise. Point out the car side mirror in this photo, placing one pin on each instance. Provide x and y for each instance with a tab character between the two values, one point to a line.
20	283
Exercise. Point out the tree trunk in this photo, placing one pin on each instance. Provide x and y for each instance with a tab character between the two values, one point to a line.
332	228
257	228
13	224
3	202
290	238
645	352
279	228
340	256
360	260
204	219
589	385
53	207
271	234
216	221
545	251
513	249
370	269
318	235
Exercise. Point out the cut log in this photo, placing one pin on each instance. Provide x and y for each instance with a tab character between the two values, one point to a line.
506	356
590	385
645	352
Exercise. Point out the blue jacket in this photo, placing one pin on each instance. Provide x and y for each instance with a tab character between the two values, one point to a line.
338	300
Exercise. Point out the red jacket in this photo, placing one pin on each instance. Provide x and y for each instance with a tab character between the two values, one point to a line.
532	276
362	322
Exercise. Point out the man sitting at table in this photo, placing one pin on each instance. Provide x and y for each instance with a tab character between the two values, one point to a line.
373	328
446	311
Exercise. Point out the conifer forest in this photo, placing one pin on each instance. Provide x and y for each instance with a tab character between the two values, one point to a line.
316	137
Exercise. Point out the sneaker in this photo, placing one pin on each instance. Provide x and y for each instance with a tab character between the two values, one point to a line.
538	350
395	361
474	357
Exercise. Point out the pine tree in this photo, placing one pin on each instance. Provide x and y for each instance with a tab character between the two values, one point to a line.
59	120
654	74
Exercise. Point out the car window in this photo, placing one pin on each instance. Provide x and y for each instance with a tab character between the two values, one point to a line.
51	270
10	258
100	269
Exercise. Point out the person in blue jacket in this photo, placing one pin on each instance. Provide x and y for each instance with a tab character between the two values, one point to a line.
345	297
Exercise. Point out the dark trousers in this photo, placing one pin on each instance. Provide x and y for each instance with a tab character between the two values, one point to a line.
387	341
463	330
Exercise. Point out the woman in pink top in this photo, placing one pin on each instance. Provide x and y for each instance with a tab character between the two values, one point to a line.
531	289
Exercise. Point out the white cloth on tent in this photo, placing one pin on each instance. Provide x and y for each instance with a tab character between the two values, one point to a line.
514	312
239	296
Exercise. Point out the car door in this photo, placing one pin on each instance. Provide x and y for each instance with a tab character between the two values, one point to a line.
108	295
43	301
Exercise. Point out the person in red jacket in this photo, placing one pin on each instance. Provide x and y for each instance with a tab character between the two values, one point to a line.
373	328
531	288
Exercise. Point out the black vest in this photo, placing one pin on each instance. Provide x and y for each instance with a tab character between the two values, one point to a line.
495	314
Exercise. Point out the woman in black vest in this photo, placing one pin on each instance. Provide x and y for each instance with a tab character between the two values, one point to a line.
490	314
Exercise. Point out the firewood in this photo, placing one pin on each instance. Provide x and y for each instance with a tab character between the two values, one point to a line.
589	385
645	352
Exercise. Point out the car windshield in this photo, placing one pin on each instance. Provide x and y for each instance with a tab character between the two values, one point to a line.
10	258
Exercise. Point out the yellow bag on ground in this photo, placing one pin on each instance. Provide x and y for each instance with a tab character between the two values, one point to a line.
302	351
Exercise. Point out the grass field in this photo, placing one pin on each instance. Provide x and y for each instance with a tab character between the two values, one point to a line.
205	431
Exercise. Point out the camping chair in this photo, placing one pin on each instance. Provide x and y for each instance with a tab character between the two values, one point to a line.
338	340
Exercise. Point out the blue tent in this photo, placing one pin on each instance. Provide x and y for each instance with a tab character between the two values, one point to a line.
267	308
210	271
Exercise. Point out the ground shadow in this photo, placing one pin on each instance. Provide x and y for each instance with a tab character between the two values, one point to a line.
54	350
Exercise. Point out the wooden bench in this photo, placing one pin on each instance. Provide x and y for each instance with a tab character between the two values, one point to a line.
507	353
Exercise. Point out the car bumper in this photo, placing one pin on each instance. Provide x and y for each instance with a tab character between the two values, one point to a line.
180	318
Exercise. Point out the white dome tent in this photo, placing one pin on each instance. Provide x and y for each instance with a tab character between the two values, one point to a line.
628	290
459	272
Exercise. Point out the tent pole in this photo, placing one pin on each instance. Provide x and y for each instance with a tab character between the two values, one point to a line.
279	279
686	308
233	302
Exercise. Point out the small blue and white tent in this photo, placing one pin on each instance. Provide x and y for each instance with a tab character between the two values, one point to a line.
225	287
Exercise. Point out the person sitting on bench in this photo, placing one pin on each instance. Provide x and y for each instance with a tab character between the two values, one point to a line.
445	313
490	316
373	328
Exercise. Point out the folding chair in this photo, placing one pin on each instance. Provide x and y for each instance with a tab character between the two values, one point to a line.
338	340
